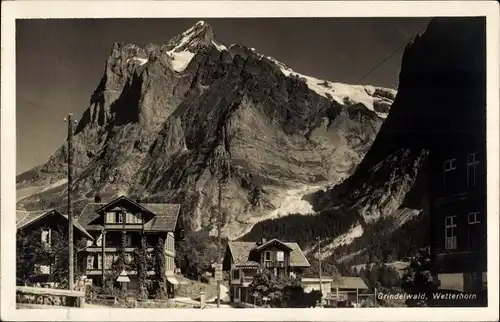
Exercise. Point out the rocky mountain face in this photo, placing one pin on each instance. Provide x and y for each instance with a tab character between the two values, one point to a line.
167	121
442	83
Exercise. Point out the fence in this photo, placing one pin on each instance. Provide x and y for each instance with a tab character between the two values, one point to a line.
35	296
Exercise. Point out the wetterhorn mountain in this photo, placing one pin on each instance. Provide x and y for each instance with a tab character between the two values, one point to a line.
164	117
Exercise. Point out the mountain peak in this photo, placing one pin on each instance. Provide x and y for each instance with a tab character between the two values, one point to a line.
199	35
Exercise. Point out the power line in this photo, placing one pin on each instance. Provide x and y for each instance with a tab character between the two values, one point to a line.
390	55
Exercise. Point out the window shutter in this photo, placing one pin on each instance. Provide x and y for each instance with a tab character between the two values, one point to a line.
90	262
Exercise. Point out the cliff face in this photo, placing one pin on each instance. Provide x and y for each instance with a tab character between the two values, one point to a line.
442	86
167	120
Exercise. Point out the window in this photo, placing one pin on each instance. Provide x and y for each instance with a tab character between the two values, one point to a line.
236	274
267	256
42	269
119	217
90	261
108	261
46	236
449	165
128	240
170	264
474	232
473	218
450	232
472	162
99	261
280	256
110	217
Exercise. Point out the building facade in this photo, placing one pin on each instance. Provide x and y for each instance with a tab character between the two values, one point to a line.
49	228
124	224
242	260
458	215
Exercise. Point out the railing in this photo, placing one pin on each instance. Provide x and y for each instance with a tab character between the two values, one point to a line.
49	296
272	264
128	249
120	226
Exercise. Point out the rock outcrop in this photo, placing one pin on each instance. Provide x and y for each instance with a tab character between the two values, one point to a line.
167	121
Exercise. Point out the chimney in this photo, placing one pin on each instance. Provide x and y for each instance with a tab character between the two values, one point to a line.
263	241
97	198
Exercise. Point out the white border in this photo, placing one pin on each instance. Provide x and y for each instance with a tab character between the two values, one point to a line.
205	9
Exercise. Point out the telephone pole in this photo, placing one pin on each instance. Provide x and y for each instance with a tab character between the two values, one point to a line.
71	281
319	264
224	175
219	239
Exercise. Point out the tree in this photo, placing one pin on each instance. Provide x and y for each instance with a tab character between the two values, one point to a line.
282	291
419	278
196	254
160	278
328	269
31	252
142	263
120	264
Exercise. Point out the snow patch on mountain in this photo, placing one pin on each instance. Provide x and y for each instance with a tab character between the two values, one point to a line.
287	202
340	92
180	60
219	47
344	239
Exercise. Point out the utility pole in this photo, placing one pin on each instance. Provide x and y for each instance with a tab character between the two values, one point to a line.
219	238
319	264
224	175
70	121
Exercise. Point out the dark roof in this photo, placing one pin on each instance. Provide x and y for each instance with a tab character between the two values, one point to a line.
119	199
25	218
88	215
165	216
240	252
351	282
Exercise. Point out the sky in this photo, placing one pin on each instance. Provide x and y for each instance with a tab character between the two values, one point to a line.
59	62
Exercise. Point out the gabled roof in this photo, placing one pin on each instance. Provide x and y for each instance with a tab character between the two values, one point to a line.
89	215
121	198
240	252
272	241
25	218
351	282
165	216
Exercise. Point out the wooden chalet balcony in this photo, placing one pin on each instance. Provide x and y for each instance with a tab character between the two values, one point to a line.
121	226
98	271
111	249
274	264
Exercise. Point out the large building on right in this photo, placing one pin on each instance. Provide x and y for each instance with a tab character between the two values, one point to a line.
458	159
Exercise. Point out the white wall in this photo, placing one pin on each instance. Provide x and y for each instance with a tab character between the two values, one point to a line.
310	286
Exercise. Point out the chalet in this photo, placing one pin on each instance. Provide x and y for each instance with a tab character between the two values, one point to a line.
107	226
44	225
124	220
244	259
349	287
